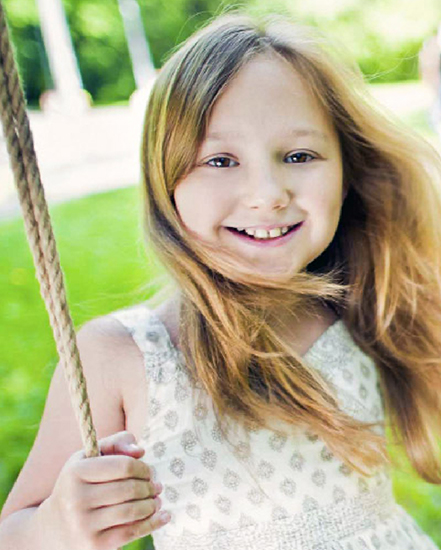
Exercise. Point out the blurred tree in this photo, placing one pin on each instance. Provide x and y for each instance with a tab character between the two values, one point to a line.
384	36
67	93
98	36
30	52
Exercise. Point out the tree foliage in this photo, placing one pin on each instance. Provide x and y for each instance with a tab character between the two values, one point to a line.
384	36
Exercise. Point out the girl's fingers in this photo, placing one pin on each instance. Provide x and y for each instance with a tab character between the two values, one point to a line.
111	468
124	513
117	492
120	443
123	534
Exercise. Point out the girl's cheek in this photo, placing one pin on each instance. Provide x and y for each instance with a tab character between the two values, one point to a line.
328	196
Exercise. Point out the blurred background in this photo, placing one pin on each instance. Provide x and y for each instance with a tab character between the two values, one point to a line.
87	66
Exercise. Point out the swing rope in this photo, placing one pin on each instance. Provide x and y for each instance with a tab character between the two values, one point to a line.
39	232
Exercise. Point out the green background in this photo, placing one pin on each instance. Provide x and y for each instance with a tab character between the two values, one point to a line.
384	36
104	259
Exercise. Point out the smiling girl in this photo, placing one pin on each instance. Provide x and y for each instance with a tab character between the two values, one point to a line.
301	226
260	170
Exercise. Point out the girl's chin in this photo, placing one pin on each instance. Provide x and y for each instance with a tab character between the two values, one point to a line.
276	276
270	273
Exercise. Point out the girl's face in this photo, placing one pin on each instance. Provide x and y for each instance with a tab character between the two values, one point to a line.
268	181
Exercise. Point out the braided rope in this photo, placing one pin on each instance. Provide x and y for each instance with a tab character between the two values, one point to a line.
39	232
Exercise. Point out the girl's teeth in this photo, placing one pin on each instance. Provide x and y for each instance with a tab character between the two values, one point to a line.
275	232
264	234
261	234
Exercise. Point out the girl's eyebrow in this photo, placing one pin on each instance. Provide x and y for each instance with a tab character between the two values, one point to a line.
298	132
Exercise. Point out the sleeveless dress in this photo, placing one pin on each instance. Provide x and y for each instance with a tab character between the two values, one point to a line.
274	490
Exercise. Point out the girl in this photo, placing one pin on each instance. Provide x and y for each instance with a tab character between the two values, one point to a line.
301	227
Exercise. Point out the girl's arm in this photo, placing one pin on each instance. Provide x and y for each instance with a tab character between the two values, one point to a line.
105	347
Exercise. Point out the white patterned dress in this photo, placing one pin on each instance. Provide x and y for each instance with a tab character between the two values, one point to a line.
273	491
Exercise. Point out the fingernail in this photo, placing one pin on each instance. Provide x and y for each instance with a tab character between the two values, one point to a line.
158	487
133	447
158	503
164	516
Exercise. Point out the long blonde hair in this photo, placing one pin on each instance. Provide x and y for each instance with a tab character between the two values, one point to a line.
381	272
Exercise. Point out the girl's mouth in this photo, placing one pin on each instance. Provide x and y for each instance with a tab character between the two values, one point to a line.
263	238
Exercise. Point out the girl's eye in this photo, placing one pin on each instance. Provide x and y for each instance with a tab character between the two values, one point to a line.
220	162
295	158
299	158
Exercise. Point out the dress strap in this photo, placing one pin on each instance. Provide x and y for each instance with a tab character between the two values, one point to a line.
149	333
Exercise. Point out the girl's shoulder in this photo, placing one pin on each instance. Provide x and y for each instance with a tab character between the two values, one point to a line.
123	345
106	340
153	329
148	355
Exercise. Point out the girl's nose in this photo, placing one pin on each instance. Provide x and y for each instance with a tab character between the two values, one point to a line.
265	192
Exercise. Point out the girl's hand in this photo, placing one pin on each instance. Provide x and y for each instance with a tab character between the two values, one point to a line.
104	502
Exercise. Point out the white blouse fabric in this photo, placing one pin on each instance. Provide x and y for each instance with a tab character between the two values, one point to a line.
278	488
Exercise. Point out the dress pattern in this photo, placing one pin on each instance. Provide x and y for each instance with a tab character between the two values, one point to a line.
276	489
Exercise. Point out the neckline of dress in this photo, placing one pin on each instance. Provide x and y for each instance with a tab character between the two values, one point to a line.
323	336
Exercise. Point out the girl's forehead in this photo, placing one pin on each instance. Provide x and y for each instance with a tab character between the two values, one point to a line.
267	92
268	77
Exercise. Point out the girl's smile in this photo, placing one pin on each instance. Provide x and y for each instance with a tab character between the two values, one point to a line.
276	236
267	183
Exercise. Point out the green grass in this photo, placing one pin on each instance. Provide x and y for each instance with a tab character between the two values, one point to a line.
106	267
